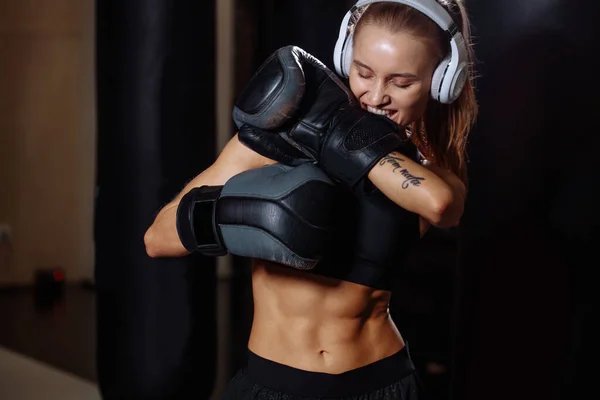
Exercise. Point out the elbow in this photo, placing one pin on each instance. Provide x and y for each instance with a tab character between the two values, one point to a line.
150	243
158	244
443	210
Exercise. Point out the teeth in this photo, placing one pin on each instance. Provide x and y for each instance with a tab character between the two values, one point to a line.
378	111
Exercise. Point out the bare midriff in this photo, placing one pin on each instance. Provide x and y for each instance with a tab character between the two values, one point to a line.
320	324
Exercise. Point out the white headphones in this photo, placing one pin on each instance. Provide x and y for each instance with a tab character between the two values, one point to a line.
449	77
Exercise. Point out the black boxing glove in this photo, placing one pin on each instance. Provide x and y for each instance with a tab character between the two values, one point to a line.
277	213
295	110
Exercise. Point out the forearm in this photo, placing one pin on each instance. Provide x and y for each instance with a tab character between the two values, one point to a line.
161	238
416	188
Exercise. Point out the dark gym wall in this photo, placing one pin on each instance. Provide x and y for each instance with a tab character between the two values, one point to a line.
530	217
155	87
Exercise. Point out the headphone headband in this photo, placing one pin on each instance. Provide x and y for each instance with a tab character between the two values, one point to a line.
430	8
450	75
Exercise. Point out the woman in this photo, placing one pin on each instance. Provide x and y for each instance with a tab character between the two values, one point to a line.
318	336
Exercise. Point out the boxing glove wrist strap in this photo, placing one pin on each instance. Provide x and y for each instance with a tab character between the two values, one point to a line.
196	225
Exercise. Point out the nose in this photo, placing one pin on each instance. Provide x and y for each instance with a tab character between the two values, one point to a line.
377	94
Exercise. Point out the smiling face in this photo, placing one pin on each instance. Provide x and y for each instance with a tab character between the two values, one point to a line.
391	73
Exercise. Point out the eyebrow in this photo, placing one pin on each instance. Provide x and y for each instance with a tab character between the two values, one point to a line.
397	75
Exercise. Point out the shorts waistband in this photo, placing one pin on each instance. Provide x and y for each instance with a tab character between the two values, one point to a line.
302	383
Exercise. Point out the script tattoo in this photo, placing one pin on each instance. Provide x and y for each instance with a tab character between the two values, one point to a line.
395	161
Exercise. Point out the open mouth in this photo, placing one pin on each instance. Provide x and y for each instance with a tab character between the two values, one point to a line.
379	111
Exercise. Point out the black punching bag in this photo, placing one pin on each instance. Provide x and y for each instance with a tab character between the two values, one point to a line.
531	219
310	24
155	94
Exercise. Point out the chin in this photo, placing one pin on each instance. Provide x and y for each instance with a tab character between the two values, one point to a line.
399	120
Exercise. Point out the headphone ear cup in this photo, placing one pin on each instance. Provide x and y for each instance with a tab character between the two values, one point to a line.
337	57
338	50
347	56
437	81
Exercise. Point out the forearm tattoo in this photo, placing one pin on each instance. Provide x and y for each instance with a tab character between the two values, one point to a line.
395	162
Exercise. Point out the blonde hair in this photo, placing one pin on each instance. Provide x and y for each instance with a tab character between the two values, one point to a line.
441	135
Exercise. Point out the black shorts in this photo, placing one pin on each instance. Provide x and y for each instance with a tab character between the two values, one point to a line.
392	378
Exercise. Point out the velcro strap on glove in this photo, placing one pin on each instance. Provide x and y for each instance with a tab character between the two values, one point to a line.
195	221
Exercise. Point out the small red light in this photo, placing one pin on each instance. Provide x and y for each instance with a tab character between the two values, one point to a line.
58	275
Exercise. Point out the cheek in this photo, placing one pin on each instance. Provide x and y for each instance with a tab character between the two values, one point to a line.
411	106
411	100
357	86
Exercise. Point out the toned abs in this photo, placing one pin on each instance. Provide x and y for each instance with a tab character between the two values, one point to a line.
317	323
